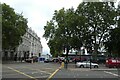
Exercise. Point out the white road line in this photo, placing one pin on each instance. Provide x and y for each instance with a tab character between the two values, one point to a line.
112	73
43	76
38	70
48	68
103	69
79	69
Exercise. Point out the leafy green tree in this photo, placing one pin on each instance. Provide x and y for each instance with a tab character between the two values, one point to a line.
14	26
0	29
118	16
99	18
61	31
49	34
113	43
53	33
88	25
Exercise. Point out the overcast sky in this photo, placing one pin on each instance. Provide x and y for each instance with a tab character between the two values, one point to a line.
39	12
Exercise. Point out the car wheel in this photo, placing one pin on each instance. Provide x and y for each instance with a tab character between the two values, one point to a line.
95	66
81	66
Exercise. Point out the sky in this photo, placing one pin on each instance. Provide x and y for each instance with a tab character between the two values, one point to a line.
39	12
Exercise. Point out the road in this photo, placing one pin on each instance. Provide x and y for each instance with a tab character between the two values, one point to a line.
28	71
87	74
52	71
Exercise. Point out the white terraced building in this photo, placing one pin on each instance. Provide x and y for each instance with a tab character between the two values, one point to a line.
31	45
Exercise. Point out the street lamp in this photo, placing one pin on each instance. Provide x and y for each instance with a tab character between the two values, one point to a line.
90	61
67	48
75	56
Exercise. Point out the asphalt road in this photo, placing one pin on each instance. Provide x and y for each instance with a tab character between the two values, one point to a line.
52	71
27	71
83	73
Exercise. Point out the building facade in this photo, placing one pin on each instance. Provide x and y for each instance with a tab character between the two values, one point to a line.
31	45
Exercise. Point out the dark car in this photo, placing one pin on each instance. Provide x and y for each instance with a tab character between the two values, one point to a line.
35	59
55	60
78	59
46	61
32	59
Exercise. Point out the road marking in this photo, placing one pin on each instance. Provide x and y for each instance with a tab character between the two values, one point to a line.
53	73
103	69
11	74
34	72
38	70
43	76
48	68
112	73
78	69
22	73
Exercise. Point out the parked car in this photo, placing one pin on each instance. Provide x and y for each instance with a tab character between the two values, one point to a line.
46	61
86	64
55	60
112	62
35	59
78	59
32	59
29	60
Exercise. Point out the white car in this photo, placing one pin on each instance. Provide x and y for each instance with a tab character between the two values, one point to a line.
86	64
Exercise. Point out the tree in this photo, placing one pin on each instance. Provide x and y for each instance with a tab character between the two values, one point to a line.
61	31
113	43
88	25
100	16
0	28
14	26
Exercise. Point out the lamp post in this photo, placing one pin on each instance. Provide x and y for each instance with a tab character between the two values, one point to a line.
90	61
75	56
66	58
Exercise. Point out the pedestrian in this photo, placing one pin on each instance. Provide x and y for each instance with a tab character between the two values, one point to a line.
75	61
60	61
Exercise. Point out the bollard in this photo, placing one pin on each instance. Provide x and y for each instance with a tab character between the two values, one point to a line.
32	61
62	64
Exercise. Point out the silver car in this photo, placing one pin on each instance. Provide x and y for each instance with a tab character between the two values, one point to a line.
86	64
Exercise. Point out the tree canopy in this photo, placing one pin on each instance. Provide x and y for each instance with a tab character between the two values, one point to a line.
100	17
14	26
89	26
113	43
